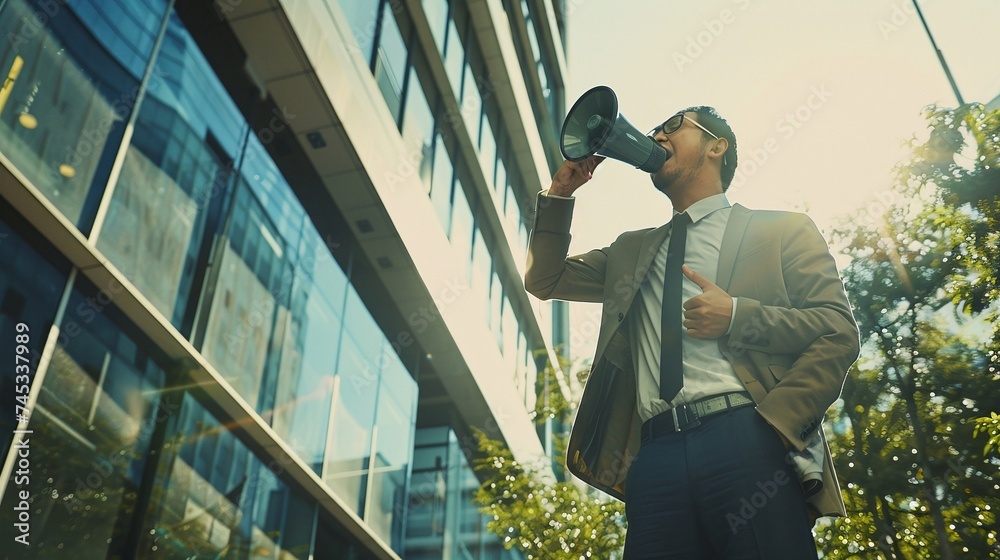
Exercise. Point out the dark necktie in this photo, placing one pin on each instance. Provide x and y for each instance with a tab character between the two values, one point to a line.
671	353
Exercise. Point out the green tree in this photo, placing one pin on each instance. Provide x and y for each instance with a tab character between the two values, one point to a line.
916	482
541	516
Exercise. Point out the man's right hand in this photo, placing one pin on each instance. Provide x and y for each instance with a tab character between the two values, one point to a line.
572	175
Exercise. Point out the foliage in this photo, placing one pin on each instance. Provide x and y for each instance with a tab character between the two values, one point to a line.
541	517
916	481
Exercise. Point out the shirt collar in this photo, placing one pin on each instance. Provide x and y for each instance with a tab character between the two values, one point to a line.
706	206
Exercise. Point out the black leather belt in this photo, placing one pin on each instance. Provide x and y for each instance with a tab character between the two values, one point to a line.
687	416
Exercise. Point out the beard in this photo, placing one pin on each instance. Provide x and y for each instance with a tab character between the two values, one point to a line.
663	180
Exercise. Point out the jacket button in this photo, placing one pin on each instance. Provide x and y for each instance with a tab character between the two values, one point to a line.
621	316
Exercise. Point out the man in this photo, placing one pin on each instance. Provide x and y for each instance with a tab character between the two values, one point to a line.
711	377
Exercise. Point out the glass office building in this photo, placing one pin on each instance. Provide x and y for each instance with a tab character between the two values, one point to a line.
261	274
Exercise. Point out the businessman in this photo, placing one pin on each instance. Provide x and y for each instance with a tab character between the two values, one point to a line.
725	336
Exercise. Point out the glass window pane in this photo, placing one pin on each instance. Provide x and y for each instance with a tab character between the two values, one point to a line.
472	105
510	336
481	267
496	304
96	410
437	17
395	421
500	184
361	18
488	152
226	503
390	63
305	384
418	129
178	166
68	92
442	183
248	300
461	226
349	446
29	294
454	59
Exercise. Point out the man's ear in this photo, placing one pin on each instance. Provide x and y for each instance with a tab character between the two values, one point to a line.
720	147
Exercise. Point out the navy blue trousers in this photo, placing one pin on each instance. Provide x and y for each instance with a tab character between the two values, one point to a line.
721	490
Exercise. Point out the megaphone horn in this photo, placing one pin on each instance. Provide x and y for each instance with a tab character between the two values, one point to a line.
594	126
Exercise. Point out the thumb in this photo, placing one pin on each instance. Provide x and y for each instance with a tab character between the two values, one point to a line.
698	279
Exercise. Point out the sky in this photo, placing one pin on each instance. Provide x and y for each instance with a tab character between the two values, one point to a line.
822	97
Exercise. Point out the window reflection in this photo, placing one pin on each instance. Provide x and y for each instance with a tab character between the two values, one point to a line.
309	355
395	422
355	392
96	411
418	129
361	16
442	182
454	59
461	228
63	110
390	61
444	522
29	294
482	265
178	165
250	299
215	499
437	17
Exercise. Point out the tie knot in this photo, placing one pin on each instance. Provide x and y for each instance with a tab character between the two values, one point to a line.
682	219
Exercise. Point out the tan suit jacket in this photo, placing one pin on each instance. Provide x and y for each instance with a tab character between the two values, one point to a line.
793	339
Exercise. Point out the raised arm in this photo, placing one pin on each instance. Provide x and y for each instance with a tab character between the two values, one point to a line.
550	273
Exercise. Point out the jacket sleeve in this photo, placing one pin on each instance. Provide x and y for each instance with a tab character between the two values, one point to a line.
550	273
818	326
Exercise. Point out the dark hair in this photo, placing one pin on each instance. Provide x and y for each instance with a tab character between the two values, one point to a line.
712	120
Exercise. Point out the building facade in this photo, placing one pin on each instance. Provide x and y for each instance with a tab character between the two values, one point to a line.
261	275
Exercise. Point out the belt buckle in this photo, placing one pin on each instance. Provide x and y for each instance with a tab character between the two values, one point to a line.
689	416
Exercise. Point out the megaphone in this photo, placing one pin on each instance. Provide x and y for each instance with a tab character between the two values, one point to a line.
594	126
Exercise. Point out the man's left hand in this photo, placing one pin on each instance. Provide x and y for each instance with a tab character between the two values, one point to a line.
708	315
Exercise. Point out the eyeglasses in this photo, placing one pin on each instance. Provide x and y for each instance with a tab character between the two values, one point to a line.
671	125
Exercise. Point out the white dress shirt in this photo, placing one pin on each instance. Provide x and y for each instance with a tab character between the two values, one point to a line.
706	371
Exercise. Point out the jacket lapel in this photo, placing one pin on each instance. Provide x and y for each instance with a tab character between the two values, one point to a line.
651	243
739	219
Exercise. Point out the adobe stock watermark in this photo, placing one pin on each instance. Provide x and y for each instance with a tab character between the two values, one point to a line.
754	159
902	13
703	39
766	490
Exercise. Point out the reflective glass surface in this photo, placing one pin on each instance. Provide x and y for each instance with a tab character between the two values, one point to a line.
250	301
215	499
418	130
362	19
482	266
390	61
97	408
454	59
443	179
461	227
31	283
70	84
436	12
177	168
444	521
